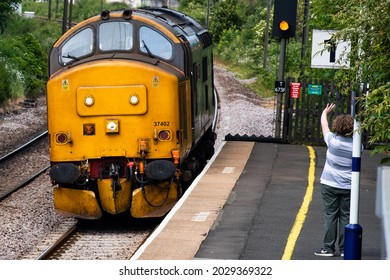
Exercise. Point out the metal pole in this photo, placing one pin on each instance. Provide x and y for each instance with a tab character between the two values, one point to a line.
304	36
49	10
55	16
355	182
70	14
208	14
65	16
266	34
353	231
283	43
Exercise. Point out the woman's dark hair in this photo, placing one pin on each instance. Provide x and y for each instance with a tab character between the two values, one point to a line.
343	125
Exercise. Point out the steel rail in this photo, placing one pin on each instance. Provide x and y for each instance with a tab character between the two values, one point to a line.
24	183
49	251
29	143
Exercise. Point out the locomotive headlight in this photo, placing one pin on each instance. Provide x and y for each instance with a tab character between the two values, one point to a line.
134	99
89	100
63	138
164	135
112	126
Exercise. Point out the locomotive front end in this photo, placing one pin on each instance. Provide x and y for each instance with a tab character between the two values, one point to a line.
114	122
117	133
129	102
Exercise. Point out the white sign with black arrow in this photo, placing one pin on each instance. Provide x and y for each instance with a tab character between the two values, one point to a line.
327	54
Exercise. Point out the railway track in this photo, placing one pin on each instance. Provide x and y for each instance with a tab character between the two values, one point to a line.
70	240
23	147
94	240
22	165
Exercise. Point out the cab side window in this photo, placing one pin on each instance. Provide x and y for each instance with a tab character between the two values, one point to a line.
81	44
155	44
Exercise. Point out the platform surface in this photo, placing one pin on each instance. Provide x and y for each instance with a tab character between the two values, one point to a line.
259	201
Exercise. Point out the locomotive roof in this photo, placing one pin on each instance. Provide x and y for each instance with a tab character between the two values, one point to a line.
173	24
178	22
173	18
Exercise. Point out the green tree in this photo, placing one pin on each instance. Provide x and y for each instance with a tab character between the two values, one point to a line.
84	9
367	25
5	83
376	118
225	18
7	9
25	54
197	9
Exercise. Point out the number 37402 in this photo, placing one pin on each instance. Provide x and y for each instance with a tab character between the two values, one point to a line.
161	123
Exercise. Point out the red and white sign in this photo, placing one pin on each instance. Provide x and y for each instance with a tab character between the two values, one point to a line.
295	90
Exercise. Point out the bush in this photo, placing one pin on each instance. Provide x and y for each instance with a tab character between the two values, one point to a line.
45	32
375	117
24	49
11	83
25	54
5	84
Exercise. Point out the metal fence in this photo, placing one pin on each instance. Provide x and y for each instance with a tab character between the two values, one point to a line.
303	108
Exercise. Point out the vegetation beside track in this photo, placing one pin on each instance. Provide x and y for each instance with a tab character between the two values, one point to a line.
240	37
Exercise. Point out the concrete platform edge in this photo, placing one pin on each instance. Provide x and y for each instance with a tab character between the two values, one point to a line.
177	224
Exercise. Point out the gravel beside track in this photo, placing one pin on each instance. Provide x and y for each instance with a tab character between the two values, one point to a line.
241	111
27	216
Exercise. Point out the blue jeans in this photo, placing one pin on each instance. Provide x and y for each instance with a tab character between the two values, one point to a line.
336	214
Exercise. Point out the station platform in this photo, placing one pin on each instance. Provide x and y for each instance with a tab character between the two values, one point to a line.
259	201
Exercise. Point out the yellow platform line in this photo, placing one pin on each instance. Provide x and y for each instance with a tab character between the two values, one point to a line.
301	216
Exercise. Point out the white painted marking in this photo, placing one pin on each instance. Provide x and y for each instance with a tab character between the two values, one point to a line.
200	217
228	170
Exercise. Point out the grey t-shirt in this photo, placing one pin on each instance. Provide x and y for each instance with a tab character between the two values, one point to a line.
338	164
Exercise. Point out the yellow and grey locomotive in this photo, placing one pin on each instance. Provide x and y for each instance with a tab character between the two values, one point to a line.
131	112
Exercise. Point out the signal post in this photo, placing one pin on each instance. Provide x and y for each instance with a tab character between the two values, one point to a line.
284	25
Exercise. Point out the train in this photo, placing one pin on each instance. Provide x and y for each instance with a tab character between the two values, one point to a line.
131	110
